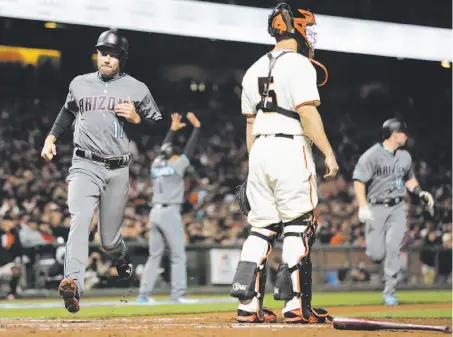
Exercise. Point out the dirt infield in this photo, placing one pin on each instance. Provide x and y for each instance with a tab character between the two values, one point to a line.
212	324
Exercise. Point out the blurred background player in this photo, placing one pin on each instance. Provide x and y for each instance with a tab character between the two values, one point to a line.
381	177
279	100
167	172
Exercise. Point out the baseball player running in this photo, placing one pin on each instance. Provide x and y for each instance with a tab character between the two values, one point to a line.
381	177
106	106
279	101
167	172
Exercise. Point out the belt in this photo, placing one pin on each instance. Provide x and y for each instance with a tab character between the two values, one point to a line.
163	205
282	135
387	202
111	163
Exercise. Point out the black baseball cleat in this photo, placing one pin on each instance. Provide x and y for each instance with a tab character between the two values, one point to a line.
70	294
124	267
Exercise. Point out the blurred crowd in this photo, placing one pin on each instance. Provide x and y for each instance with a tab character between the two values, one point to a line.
33	193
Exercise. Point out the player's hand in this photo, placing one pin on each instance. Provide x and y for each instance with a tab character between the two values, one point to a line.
427	199
127	110
49	150
176	122
365	214
193	119
331	167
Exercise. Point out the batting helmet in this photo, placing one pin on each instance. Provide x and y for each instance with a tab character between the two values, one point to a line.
112	40
392	125
166	150
283	23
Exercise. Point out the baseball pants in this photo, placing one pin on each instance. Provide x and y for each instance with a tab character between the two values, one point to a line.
384	236
281	184
92	185
165	226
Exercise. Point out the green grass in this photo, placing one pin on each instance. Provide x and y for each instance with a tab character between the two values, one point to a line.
319	299
445	313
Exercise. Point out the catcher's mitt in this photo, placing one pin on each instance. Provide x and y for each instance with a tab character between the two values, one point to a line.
241	196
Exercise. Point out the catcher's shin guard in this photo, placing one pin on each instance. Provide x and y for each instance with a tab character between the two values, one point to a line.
306	313
295	283
249	281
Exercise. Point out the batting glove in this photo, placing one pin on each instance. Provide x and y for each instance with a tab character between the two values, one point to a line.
365	214
427	199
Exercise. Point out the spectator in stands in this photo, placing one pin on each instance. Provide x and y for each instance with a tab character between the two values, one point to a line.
429	256
445	256
10	256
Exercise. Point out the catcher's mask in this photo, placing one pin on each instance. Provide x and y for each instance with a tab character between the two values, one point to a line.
282	22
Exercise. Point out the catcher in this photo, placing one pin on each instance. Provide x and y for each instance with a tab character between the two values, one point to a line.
279	101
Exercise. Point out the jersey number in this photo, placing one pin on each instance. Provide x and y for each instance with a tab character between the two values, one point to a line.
271	93
118	129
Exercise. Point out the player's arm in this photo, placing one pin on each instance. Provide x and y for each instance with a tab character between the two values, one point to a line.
248	131
176	125
363	173
365	213
193	140
305	96
62	123
146	114
413	186
314	129
360	193
248	110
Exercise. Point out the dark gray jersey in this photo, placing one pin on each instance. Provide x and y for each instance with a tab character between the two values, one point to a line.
92	100
168	180
383	172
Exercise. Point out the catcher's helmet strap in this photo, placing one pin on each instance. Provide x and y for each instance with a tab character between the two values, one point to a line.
323	67
266	106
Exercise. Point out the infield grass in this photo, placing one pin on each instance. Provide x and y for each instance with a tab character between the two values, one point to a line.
319	299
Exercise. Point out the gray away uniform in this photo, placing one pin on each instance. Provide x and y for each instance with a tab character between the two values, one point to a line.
165	219
92	184
385	174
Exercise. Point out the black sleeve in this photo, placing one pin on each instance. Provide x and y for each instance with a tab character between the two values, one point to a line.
192	143
169	137
147	124
63	123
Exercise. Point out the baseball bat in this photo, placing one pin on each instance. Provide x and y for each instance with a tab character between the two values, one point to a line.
345	323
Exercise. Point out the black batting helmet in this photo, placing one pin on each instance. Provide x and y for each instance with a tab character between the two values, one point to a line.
112	40
166	150
392	125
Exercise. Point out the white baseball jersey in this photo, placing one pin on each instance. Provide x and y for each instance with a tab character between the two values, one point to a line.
293	84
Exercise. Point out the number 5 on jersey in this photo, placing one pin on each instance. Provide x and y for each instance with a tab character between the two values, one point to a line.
118	129
272	97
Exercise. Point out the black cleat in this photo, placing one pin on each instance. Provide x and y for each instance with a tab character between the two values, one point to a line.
124	267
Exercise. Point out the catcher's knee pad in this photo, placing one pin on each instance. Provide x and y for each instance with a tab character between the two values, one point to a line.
294	274
250	278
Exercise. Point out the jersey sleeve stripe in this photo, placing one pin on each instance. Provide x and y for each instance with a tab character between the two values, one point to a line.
315	103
